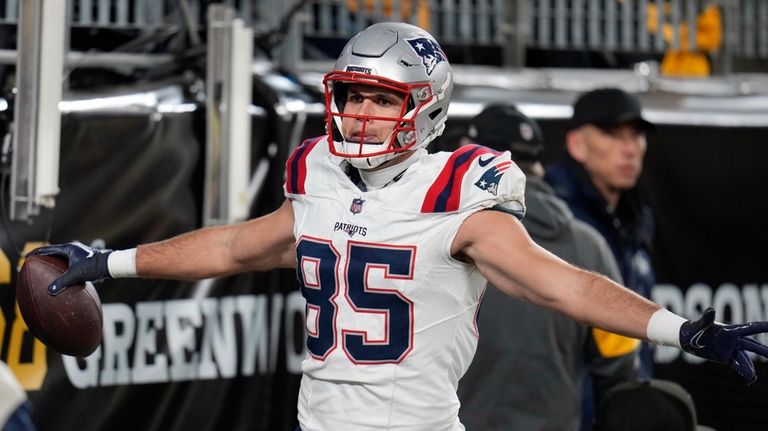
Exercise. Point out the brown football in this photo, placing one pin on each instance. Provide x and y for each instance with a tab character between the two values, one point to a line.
70	322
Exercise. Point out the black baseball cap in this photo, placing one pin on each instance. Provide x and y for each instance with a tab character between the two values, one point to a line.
608	107
502	127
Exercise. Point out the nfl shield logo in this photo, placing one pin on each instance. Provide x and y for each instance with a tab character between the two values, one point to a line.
357	206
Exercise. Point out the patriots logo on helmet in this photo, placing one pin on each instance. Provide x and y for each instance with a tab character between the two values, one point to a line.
359	69
430	52
490	179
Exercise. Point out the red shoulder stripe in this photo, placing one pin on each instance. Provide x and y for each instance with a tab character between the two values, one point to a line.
296	167
445	193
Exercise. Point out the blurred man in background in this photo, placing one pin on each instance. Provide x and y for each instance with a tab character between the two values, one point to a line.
529	362
605	146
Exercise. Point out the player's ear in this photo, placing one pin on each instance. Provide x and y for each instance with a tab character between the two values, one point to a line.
576	145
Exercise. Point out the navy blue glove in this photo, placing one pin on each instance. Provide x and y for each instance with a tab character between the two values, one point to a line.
85	264
725	344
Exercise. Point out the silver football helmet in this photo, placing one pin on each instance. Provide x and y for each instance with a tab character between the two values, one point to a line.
396	57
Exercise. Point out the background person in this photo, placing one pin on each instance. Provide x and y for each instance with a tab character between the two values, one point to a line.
648	405
605	146
528	367
687	61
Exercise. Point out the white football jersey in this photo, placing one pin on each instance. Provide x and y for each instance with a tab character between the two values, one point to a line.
390	314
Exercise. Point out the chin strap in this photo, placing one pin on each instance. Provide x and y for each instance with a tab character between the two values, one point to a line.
366	179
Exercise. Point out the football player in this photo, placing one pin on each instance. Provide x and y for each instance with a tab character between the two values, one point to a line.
393	246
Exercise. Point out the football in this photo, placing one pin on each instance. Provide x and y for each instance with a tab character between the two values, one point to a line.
70	322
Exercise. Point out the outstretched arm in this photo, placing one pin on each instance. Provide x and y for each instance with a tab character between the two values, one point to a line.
518	266
515	264
260	244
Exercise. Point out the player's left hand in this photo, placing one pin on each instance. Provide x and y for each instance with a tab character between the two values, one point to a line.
725	344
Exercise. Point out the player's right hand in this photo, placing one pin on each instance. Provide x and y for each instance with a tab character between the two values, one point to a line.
85	264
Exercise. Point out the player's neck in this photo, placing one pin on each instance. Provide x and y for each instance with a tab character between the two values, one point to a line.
383	175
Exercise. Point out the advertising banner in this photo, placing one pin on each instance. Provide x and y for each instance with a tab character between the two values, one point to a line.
215	355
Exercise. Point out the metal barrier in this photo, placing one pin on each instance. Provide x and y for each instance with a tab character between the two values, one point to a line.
641	26
120	14
131	14
751	27
599	25
629	25
452	21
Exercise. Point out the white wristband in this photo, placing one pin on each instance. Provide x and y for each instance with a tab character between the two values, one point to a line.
122	263
664	328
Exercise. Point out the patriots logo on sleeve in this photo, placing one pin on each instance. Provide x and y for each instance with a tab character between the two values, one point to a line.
490	179
430	52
